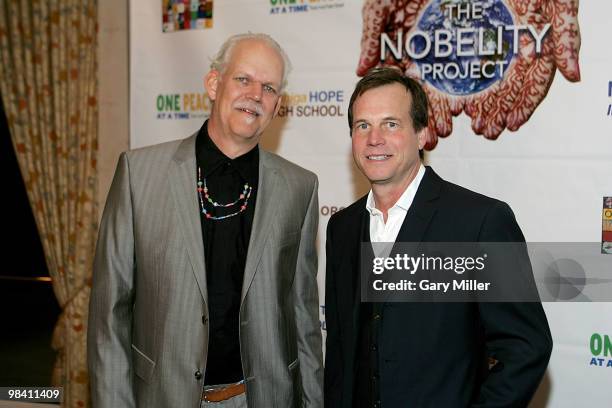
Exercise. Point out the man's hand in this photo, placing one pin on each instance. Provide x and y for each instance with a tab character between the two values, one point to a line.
510	102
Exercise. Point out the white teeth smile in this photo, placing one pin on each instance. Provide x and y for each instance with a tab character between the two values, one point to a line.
379	157
250	112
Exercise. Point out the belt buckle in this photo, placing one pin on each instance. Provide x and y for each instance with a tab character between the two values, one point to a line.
205	396
212	391
208	392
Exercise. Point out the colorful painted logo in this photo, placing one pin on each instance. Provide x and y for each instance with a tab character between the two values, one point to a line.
601	350
606	226
492	59
180	15
303	6
462	51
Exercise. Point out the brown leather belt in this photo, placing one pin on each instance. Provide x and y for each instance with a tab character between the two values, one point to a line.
224	393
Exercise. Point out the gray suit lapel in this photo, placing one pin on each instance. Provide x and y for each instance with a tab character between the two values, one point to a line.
262	221
183	186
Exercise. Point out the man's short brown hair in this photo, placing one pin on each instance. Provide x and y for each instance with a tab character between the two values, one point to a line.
378	77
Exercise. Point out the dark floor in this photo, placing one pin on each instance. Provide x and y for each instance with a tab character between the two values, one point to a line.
28	312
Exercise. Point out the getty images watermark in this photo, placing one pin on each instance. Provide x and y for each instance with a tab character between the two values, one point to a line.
485	272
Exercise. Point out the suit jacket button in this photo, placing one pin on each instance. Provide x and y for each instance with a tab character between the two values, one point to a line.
198	375
204	320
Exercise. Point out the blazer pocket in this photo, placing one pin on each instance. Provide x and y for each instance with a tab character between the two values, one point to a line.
143	365
294	364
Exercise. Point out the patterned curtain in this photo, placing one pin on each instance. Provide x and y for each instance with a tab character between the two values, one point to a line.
49	87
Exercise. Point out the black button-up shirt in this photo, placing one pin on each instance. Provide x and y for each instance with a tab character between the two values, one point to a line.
226	244
366	392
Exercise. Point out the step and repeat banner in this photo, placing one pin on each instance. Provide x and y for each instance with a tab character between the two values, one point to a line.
521	95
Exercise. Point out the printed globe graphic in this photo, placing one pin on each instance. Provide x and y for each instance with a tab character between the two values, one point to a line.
437	17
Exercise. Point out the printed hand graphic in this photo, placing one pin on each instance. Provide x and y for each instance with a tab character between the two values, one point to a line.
510	102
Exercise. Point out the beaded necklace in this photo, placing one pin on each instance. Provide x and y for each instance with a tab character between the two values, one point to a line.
203	194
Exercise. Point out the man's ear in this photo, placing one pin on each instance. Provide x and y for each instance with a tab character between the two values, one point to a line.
211	82
422	137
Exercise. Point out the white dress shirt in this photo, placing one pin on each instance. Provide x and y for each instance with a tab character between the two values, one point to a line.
387	232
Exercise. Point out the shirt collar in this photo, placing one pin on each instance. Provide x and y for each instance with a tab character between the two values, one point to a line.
210	158
405	200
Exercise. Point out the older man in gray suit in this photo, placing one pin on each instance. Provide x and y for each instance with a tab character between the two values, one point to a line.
204	289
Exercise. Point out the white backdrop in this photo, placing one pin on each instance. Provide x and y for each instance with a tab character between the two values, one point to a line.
553	171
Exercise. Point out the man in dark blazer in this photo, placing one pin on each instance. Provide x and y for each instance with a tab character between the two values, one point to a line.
394	355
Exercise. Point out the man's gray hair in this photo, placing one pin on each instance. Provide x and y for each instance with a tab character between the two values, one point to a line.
220	60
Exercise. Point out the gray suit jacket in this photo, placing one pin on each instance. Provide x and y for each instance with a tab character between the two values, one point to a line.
148	333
